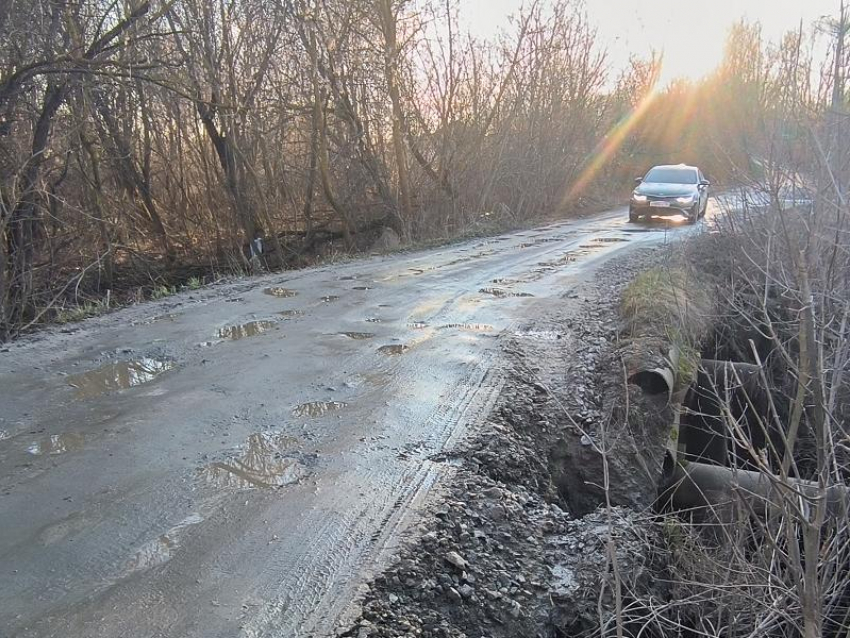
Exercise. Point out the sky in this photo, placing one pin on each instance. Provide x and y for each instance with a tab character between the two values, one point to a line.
691	33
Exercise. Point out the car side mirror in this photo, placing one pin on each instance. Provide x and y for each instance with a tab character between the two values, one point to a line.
705	182
638	180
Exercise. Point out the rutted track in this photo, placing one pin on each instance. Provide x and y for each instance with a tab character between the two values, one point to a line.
110	522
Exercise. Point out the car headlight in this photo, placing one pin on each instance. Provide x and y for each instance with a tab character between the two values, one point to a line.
688	199
638	198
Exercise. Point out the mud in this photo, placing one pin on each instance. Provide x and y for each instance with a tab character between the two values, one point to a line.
292	527
505	553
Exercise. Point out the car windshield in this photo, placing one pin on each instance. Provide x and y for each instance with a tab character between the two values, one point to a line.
671	176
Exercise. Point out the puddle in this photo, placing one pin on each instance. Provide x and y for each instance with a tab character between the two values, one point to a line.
590	246
358	335
374	320
159	550
500	292
262	464
471	327
361	288
242	330
317	408
290	313
118	376
394	349
56	444
609	240
329	298
417	325
277	291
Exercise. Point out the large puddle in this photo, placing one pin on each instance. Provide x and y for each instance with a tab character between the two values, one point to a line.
242	330
54	444
277	291
263	463
118	376
317	408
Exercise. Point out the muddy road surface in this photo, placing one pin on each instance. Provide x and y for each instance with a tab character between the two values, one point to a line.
237	461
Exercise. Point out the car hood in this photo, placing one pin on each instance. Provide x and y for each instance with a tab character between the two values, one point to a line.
666	190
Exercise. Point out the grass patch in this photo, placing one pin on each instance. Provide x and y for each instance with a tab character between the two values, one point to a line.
82	311
666	303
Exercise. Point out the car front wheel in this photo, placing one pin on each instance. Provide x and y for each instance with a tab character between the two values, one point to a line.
694	215
633	216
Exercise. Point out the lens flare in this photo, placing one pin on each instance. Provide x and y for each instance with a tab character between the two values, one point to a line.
609	145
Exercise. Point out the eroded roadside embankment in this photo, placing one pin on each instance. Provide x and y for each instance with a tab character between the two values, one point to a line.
518	545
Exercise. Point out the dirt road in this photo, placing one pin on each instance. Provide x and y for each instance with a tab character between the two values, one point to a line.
236	461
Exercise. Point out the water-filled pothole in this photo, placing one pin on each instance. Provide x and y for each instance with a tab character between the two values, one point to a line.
288	314
329	298
317	408
54	444
264	463
471	327
118	376
361	288
277	291
610	240
417	325
249	329
500	292
358	335
394	349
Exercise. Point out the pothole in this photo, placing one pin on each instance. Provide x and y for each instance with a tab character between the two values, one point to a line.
277	291
118	376
374	320
55	444
470	327
317	408
329	298
361	288
610	240
358	335
249	329
263	463
417	325
500	292
288	314
394	349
